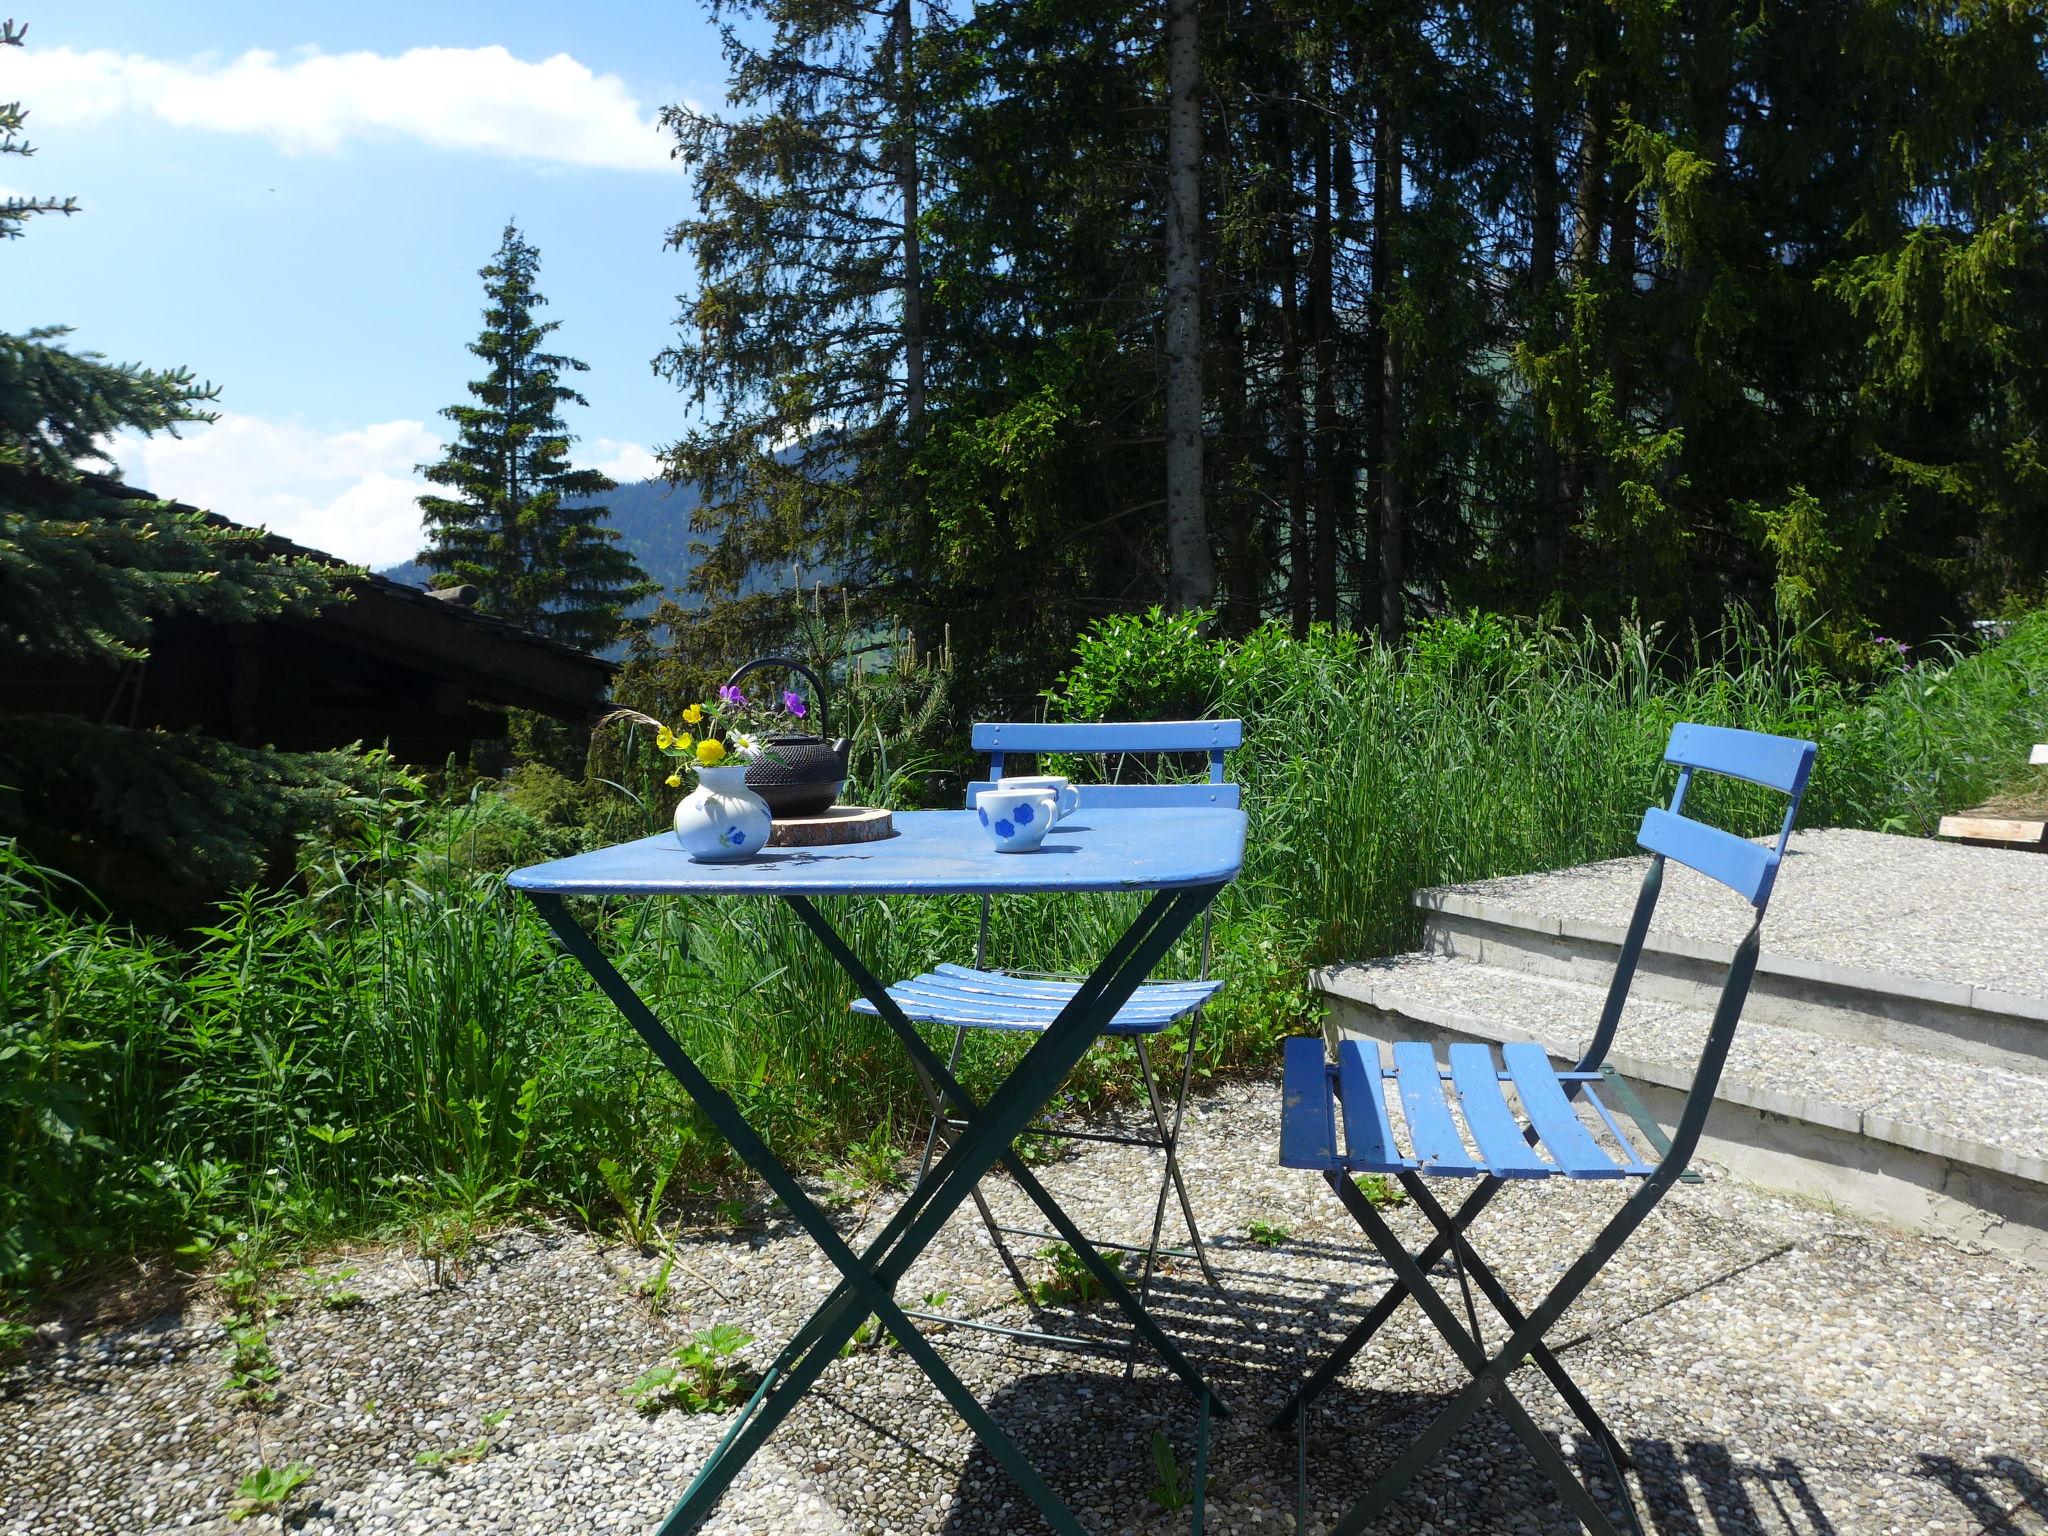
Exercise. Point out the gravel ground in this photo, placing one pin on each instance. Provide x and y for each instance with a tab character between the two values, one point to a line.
1773	1367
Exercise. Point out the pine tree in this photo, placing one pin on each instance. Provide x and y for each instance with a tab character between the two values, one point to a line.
88	568
509	529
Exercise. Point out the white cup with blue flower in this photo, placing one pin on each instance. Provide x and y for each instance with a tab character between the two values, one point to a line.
1016	820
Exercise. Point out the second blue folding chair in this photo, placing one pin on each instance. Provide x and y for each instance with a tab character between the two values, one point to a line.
982	997
1336	1120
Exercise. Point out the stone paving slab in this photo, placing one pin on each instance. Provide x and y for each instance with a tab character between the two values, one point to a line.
1864	901
1775	1368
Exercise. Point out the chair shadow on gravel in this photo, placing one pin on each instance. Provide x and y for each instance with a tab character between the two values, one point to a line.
1090	1436
1994	1489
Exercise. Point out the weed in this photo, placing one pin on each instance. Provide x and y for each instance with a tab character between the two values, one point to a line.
14	1336
639	1217
331	1289
1266	1235
252	1374
475	1450
1380	1192
268	1489
654	1289
1068	1280
1172	1491
702	1380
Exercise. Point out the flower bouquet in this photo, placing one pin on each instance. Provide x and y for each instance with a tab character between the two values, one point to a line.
721	820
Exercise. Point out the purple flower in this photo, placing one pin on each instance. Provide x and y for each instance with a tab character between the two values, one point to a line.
730	695
794	703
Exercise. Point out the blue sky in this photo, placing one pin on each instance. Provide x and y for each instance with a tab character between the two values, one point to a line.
294	200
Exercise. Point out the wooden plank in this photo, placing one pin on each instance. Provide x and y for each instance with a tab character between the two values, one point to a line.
1308	1130
1432	1134
1368	1133
2007	831
1543	1100
1493	1124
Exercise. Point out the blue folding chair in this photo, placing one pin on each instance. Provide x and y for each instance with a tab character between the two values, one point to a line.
1024	1001
1358	1091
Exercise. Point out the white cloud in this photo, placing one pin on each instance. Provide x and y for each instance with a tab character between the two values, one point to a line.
625	462
350	493
478	99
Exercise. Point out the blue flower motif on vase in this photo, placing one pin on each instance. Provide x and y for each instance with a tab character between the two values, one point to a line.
1005	830
1023	814
982	814
735	836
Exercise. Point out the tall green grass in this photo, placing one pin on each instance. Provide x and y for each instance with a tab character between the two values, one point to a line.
399	1037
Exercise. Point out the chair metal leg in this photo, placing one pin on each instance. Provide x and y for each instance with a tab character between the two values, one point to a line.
1489	1375
1503	1303
942	1130
1390	1300
1170	1177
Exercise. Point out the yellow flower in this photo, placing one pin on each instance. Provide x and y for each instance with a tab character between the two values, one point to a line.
710	753
682	741
664	738
674	781
694	715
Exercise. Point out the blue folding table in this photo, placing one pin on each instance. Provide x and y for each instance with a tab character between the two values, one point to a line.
1183	856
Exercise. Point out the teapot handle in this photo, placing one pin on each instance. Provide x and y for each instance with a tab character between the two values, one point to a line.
817	688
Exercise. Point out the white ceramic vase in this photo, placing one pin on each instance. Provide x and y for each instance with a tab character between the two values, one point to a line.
722	820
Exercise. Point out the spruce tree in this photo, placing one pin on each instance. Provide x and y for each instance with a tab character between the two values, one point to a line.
88	568
509	527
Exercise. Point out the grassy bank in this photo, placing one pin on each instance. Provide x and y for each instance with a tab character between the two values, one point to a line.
398	1045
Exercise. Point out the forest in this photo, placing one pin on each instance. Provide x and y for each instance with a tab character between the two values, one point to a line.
1565	310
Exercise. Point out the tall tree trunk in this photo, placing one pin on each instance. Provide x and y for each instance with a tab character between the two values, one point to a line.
1190	573
1323	323
1544	198
906	194
1294	429
1233	511
1386	212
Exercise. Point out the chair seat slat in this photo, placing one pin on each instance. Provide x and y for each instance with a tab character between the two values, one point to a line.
1432	1134
1543	1100
1308	1129
973	999
1045	986
1492	1123
1368	1133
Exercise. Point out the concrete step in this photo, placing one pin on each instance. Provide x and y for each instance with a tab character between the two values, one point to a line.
1921	1140
1893	941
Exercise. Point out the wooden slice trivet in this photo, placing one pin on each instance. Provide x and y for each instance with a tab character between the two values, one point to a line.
841	824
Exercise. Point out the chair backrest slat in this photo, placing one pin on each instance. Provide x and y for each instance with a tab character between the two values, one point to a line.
1109	736
1139	797
1779	762
1746	868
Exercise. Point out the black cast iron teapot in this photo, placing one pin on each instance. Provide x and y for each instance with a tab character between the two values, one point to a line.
805	773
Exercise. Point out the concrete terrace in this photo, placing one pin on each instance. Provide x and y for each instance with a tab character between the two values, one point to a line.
1893	1058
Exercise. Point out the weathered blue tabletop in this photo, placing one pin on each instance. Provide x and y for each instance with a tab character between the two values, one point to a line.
933	853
